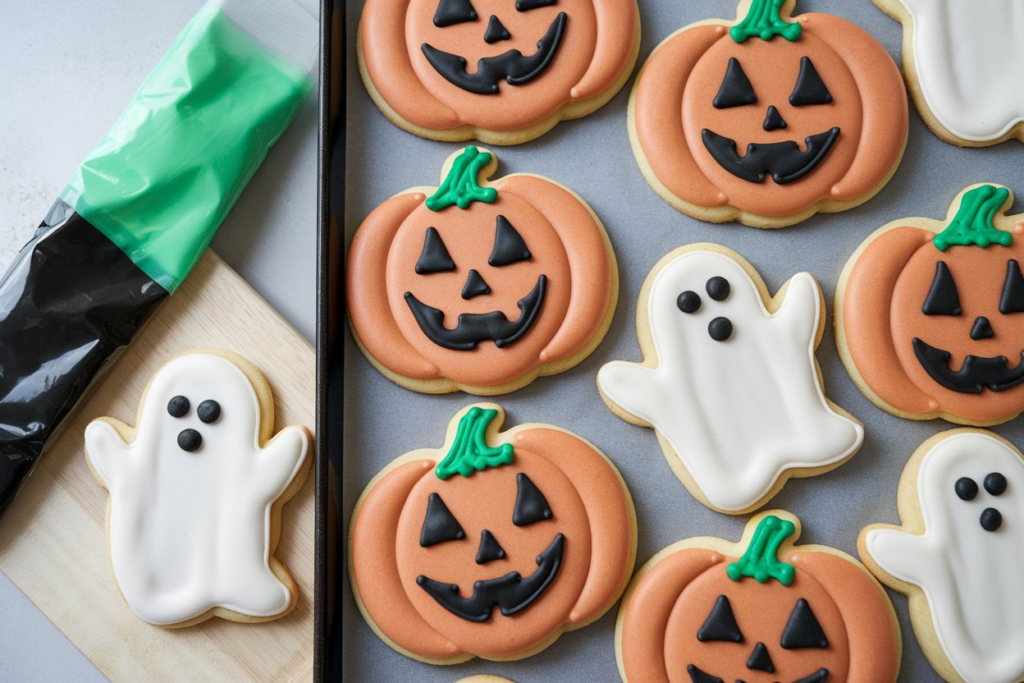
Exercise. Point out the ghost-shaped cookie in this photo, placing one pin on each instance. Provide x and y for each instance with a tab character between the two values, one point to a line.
196	491
730	381
959	554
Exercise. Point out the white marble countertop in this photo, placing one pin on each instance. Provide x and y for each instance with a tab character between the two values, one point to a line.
66	72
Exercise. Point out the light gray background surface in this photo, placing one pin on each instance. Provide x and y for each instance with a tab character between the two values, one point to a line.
593	157
66	72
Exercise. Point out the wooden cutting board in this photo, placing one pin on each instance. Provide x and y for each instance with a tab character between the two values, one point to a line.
52	542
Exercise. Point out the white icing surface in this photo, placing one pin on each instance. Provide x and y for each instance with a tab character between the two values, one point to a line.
973	579
969	56
740	412
191	531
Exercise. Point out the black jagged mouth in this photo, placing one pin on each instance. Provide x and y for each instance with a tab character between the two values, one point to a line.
512	593
474	328
699	676
976	373
513	66
784	161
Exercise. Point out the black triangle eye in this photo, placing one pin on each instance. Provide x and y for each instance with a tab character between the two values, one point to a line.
434	257
943	298
721	624
810	89
527	5
509	246
451	12
439	524
1012	300
736	89
531	505
803	629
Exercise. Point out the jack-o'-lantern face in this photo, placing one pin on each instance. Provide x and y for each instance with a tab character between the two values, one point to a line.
480	284
770	116
504	63
773	117
479	68
955	315
775	614
509	262
497	547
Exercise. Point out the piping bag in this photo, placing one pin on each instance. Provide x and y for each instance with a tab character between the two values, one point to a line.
141	209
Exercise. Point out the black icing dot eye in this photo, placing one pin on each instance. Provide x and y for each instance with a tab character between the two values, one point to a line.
720	329
208	411
178	406
991	519
995	484
688	302
718	288
190	440
966	488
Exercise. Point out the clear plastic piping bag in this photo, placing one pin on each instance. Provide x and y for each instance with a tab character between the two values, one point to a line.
141	209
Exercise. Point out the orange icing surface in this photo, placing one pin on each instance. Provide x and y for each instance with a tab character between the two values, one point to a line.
566	244
596	46
885	292
590	507
677	87
676	595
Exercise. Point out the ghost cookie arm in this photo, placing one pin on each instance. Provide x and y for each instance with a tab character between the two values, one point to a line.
900	554
630	387
105	451
801	309
281	459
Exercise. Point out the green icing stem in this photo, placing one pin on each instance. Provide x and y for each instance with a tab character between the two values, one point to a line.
973	222
763	21
165	176
760	561
460	187
470	452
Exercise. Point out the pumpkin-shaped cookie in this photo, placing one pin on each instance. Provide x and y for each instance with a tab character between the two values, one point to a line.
480	286
768	120
707	610
500	71
493	545
930	314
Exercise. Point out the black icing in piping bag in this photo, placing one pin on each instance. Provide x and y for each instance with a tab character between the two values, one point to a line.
141	209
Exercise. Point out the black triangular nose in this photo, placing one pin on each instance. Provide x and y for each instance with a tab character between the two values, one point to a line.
982	329
774	120
489	549
760	660
475	286
496	31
